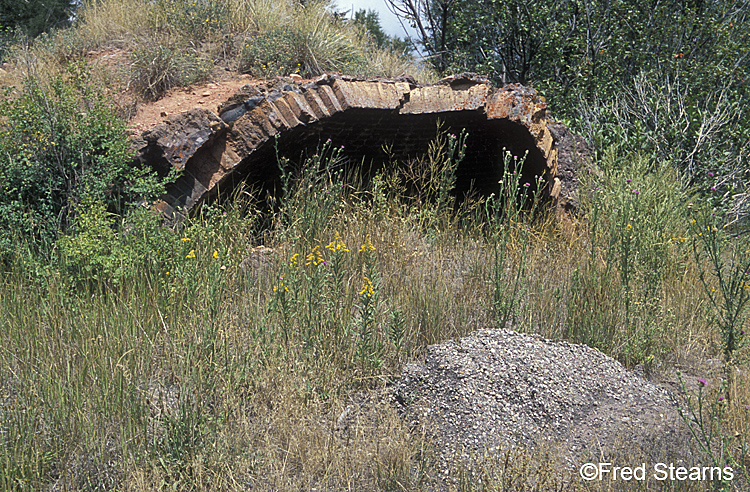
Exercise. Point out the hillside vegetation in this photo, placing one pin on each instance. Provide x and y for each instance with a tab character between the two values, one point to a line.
218	353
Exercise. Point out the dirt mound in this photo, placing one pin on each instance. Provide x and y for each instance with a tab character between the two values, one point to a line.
497	389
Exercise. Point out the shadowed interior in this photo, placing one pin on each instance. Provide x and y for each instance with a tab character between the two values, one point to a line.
364	135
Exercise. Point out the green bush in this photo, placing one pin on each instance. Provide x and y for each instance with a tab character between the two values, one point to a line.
105	250
196	19
271	53
60	145
668	80
92	251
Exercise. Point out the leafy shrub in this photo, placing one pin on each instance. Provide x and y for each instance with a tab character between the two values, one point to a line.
102	249
65	45
196	19
271	53
59	145
92	251
159	67
657	118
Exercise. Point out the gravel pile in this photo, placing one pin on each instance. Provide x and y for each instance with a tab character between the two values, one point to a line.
498	388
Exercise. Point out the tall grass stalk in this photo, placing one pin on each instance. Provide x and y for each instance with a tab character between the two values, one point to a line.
723	259
509	216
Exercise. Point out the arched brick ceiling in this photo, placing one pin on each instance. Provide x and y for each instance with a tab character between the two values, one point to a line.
216	152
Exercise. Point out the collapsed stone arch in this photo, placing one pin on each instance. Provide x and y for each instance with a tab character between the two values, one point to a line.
218	151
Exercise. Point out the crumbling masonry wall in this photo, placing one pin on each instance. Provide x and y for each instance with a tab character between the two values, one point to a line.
218	151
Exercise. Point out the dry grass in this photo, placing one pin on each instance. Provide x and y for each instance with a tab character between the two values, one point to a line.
170	27
112	22
239	407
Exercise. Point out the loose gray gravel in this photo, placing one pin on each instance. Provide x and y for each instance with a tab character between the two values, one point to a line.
497	389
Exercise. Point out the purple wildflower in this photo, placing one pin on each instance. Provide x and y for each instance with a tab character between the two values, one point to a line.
713	188
711	174
526	185
702	382
636	192
721	398
628	180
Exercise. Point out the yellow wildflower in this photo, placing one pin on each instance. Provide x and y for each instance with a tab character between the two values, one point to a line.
367	288
628	227
191	254
315	257
280	287
216	254
367	247
184	239
337	244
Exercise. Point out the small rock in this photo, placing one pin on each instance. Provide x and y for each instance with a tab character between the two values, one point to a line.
206	94
295	77
163	114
